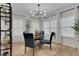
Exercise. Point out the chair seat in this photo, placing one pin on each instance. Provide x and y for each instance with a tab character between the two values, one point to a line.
45	41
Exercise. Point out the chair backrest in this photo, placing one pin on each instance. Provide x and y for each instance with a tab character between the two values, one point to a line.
52	34
28	38
42	35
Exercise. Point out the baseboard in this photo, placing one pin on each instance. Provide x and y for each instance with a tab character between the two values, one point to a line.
64	44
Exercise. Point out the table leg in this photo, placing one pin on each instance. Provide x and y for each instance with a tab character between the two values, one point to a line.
41	45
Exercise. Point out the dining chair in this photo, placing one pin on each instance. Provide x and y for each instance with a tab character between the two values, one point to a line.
45	41
29	41
42	35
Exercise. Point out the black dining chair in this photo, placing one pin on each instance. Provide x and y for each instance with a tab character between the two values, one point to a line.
45	41
42	35
29	41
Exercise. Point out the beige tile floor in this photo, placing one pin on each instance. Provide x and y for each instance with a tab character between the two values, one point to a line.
57	50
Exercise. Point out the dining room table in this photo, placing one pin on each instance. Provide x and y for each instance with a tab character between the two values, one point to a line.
38	37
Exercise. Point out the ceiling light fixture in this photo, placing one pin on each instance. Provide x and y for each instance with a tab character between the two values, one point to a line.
38	13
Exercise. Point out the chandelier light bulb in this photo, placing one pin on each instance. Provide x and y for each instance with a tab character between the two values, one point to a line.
45	11
34	12
36	9
33	15
40	12
44	14
31	12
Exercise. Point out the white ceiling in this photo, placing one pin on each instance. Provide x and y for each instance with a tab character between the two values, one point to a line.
51	8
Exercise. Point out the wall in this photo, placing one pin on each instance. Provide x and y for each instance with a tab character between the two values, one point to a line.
34	25
69	41
64	32
19	27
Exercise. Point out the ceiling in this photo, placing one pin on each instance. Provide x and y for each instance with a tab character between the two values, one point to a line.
50	8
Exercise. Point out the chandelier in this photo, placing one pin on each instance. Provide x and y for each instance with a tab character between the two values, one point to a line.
38	13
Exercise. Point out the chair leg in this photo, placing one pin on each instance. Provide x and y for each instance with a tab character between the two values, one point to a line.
33	51
25	50
50	47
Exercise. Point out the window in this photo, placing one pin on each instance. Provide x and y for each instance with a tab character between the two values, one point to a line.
46	28
53	24
66	23
17	31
